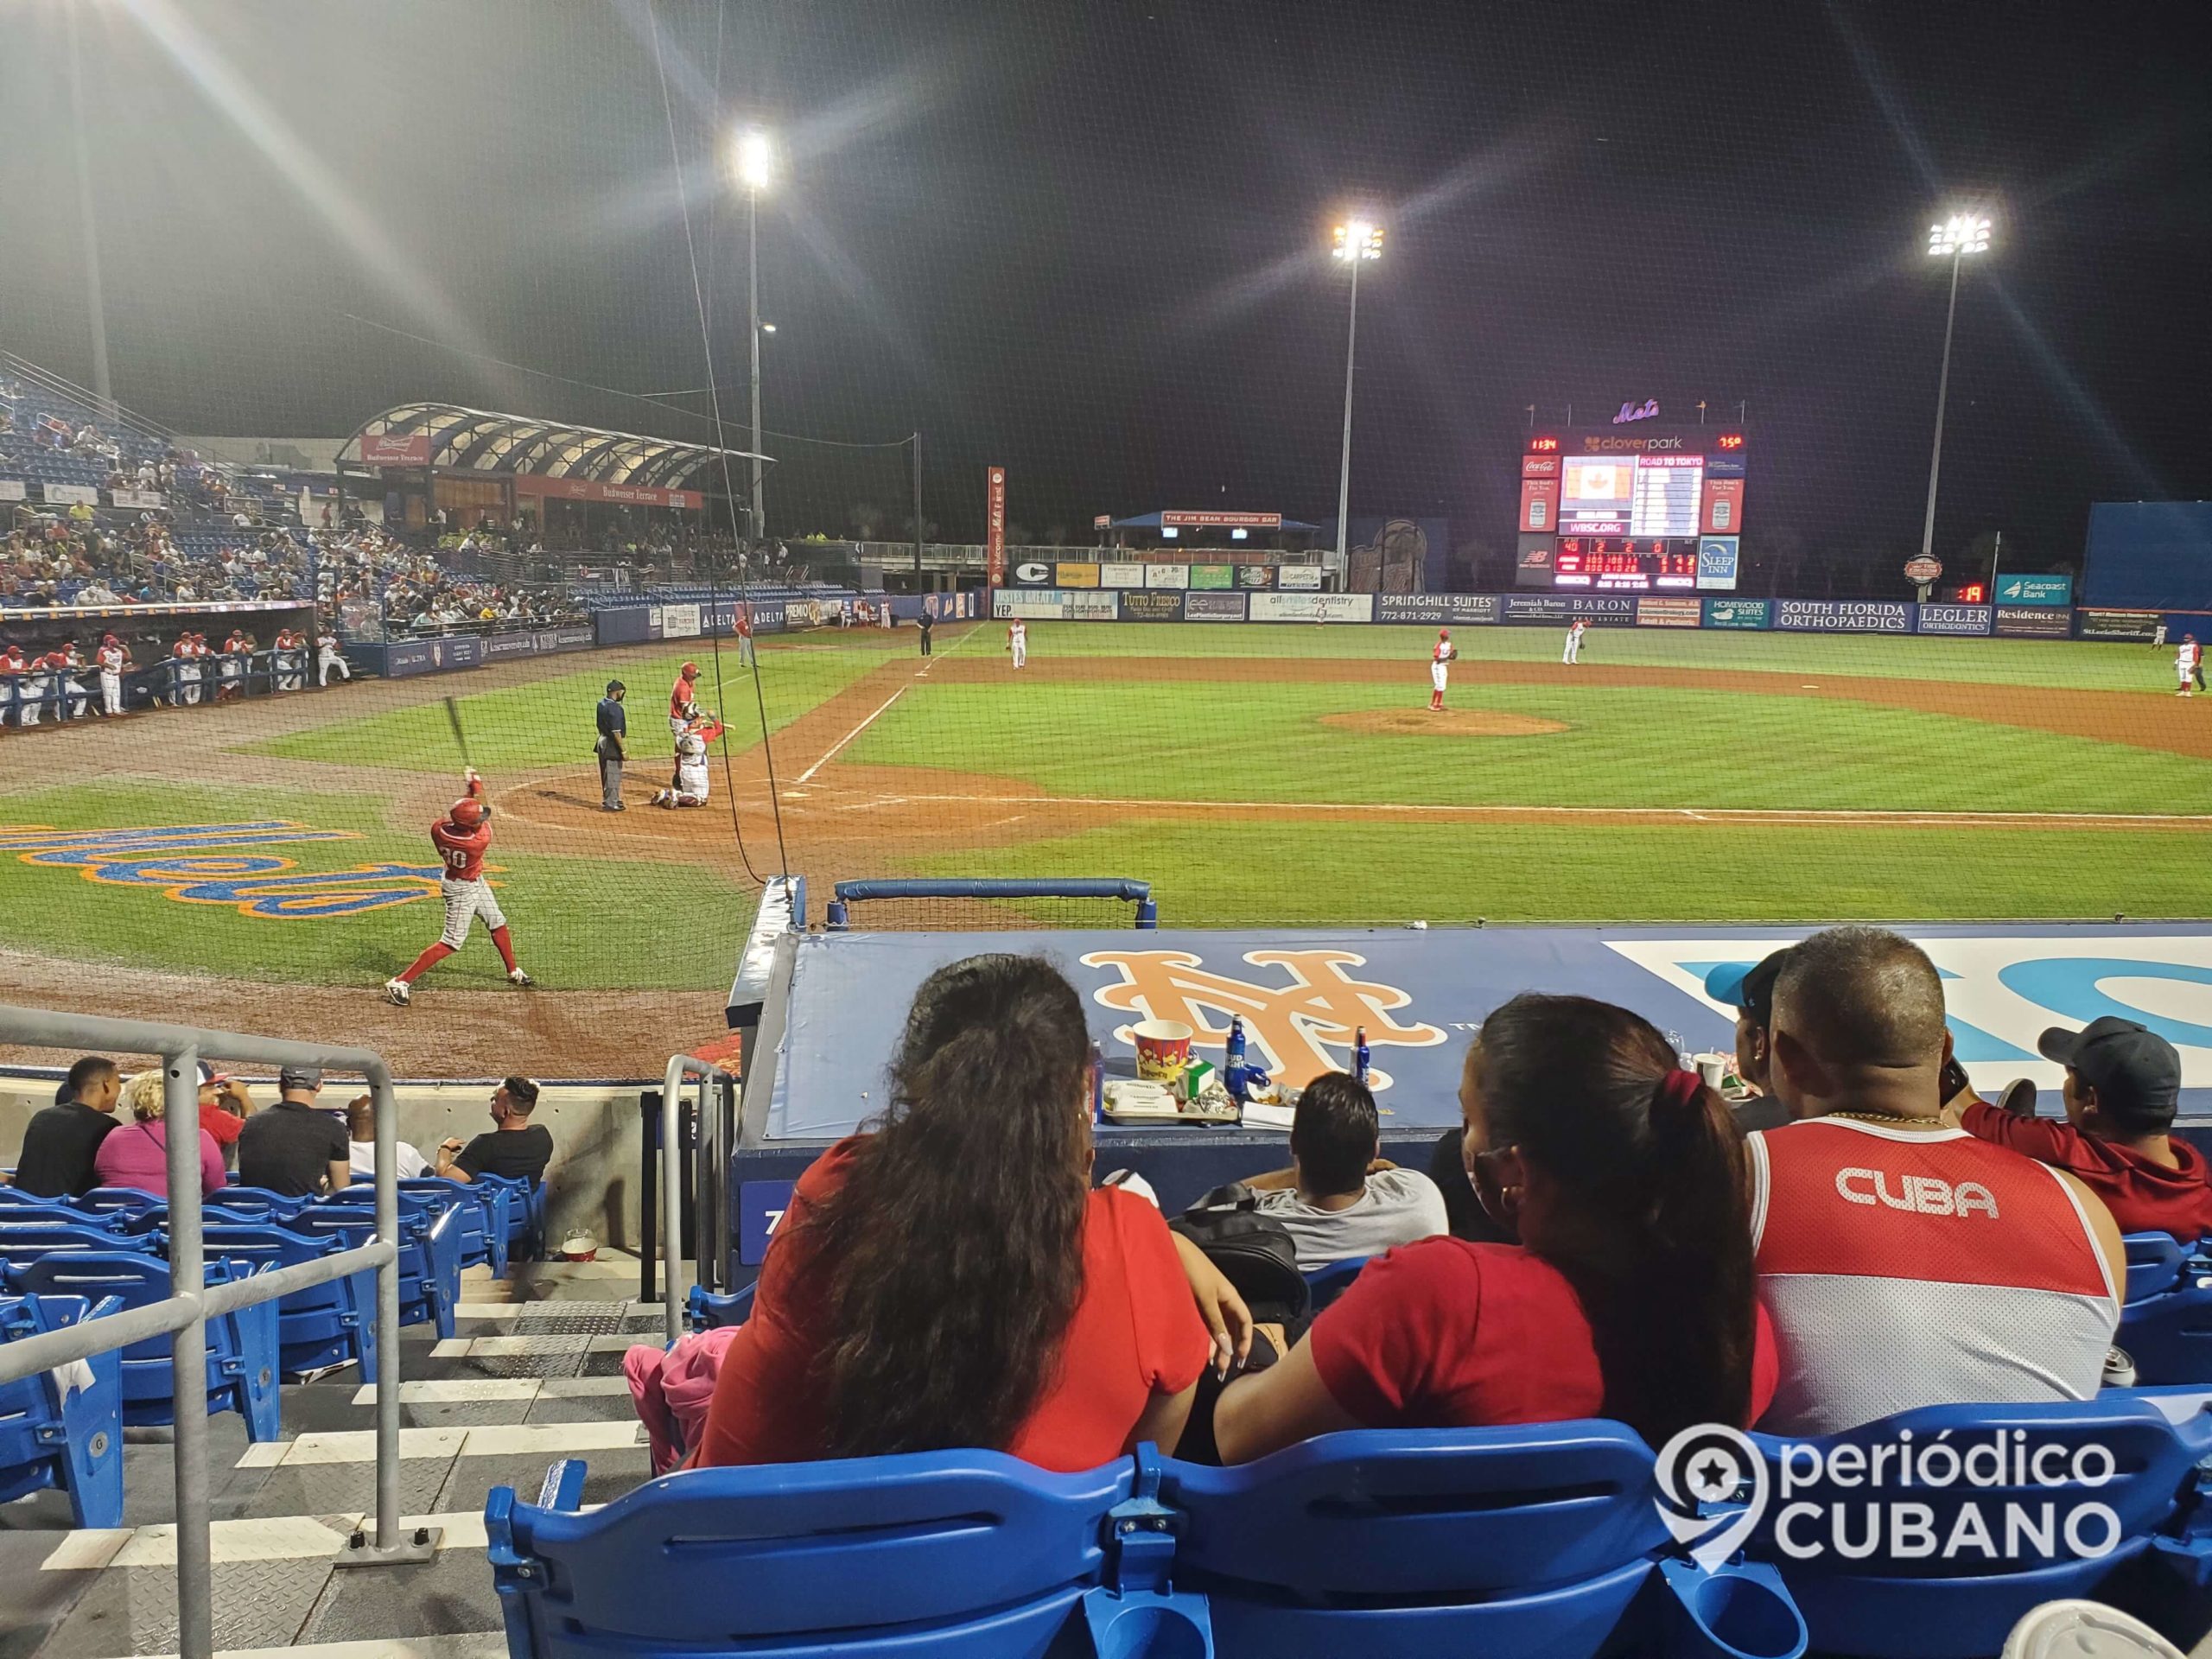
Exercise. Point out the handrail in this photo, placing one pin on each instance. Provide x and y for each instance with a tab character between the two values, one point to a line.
185	1312
680	1066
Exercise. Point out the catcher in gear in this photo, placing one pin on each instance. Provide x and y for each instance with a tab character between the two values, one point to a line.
689	787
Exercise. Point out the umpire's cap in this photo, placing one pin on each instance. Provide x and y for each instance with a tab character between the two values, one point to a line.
613	686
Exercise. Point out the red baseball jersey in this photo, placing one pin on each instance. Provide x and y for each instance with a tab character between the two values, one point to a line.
462	851
681	698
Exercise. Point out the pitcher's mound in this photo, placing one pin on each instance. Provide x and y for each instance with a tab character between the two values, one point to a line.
1449	722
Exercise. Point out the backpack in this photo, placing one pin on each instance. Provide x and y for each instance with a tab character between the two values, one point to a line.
1254	1252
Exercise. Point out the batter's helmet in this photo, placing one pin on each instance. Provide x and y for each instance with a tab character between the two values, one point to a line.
468	812
690	670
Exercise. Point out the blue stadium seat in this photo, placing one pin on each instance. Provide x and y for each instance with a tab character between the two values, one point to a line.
109	1199
324	1325
485	1214
273	1205
1542	1539
2155	1264
429	1255
1901	1604
71	1440
1324	1285
22	1242
242	1344
526	1228
2170	1336
62	1212
967	1554
705	1310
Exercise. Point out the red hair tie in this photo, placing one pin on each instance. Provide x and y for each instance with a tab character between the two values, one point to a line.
1679	1091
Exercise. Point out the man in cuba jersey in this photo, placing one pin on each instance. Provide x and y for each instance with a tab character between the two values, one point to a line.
1902	1261
462	838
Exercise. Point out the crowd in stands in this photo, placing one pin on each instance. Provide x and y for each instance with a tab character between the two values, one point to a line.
1605	1234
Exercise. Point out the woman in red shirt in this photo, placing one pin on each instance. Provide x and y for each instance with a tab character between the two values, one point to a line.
1629	1295
951	1280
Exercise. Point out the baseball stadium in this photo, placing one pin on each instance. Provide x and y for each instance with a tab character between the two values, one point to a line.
1315	869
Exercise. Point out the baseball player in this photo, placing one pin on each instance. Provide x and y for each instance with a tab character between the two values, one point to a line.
690	787
188	670
71	698
1575	630
1439	668
1017	641
231	669
462	838
13	666
328	657
30	691
683	700
114	657
2185	656
744	635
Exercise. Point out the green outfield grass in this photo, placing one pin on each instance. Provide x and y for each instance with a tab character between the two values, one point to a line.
1255	741
574	927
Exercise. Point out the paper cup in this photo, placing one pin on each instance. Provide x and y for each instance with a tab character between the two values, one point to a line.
1163	1048
1712	1068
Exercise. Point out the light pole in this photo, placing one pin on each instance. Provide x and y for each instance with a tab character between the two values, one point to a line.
1357	243
1955	237
755	160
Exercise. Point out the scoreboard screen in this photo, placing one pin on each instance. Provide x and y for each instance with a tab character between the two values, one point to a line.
1634	506
1625	564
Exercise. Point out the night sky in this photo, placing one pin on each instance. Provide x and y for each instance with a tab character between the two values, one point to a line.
1088	241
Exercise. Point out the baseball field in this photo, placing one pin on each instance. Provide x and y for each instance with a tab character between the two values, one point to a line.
268	864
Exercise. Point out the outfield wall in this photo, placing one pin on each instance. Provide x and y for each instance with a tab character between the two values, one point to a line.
2033	620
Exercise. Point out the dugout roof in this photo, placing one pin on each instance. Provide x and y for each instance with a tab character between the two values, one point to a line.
476	440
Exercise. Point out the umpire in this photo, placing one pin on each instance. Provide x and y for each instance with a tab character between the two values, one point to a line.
613	727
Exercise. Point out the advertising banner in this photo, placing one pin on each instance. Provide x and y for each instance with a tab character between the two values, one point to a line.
546	641
1720	511
1224	520
2098	623
2034	590
1447	609
395	449
624	627
1035	606
994	525
1217	607
499	647
1564	607
1075	575
1141	607
1312	607
11	489
1844	615
75	495
1533	563
1121	575
1167	576
1669	612
586	489
679	621
1215	576
1539	505
1736	612
432	656
1953	619
1718	559
2047	622
1298	578
144	500
1028	573
1253	575
1092	607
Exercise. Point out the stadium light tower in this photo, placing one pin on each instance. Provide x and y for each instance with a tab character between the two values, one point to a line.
1356	242
754	160
1954	239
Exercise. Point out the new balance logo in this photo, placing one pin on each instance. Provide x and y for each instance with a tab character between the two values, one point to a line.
1925	1195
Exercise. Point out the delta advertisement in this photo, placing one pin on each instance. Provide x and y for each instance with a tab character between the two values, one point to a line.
1217	607
1738	613
1311	608
2040	621
1564	607
2099	624
1666	613
1152	608
1447	610
1953	618
2034	590
1844	615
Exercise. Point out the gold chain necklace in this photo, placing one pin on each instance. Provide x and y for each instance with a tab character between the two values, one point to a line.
1888	1118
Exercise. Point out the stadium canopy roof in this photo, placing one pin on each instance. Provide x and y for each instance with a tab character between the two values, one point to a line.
1209	519
476	440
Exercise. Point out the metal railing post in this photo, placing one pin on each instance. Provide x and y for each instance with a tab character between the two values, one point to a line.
195	1588
387	1180
680	1066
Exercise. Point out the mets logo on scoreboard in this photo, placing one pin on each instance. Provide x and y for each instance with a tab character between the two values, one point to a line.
1296	1026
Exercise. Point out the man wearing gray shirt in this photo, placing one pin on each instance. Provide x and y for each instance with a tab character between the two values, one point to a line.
1338	1199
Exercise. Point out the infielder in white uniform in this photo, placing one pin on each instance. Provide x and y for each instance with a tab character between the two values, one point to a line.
328	657
1017	641
113	659
1574	633
2185	657
1439	669
75	697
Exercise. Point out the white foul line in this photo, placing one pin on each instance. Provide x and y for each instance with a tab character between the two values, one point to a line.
835	748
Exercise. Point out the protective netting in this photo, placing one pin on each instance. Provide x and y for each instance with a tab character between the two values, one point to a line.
1653	344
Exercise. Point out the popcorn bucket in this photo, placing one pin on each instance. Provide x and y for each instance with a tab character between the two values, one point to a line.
1163	1048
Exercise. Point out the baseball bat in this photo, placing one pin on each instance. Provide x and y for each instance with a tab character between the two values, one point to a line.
459	737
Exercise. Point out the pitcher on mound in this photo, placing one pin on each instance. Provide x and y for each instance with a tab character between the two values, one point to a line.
462	838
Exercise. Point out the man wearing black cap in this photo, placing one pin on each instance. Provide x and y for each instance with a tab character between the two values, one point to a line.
2123	1087
294	1147
613	728
1749	989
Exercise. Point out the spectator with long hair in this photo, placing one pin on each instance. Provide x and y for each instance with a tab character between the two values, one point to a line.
1629	1293
951	1280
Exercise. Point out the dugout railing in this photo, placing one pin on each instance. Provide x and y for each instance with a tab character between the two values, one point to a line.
183	1316
846	894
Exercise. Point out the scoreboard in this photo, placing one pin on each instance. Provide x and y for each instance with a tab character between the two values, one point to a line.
1635	507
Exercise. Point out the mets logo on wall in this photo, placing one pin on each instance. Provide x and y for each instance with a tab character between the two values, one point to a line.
1303	1028
192	864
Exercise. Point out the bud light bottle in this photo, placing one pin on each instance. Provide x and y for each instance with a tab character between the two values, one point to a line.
1359	1054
